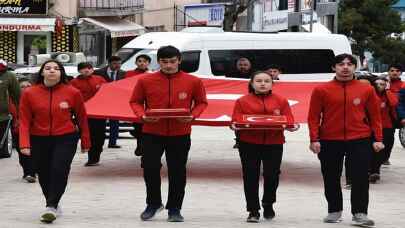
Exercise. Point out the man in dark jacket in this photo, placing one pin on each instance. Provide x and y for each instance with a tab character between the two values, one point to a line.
112	72
8	87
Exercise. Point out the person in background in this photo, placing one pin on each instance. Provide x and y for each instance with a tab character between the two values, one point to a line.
243	69
142	63
258	147
111	73
388	105
24	160
142	66
356	106
395	85
52	118
9	90
168	88
394	77
88	84
274	72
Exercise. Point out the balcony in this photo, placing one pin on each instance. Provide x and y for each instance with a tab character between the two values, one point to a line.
105	8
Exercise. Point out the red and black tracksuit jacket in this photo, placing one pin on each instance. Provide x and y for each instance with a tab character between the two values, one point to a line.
395	86
389	102
47	111
132	73
344	111
161	91
253	104
88	86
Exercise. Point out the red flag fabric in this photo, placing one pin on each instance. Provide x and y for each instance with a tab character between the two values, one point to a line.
112	101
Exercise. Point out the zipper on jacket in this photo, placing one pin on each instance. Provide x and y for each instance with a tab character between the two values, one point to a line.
170	96
50	111
89	84
265	111
344	111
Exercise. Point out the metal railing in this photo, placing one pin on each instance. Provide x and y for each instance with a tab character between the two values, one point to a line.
111	4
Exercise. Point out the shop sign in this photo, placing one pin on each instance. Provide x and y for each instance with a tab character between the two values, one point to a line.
204	14
274	21
24	7
25	28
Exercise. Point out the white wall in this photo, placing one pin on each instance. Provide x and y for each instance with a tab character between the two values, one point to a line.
65	8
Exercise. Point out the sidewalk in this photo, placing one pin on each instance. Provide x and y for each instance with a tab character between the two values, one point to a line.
112	195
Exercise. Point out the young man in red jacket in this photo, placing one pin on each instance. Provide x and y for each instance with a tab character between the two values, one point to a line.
142	63
344	119
88	84
167	89
394	76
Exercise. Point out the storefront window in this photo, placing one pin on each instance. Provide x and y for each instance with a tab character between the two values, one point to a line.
33	45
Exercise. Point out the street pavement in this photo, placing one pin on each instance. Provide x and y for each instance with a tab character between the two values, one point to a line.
113	194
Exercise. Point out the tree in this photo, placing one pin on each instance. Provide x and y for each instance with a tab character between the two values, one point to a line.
369	25
232	12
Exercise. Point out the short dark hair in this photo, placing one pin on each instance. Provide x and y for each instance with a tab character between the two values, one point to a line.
21	80
39	78
395	65
341	57
274	66
168	52
114	58
83	65
146	57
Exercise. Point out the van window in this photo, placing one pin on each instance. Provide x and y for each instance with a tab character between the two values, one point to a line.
190	61
291	61
126	53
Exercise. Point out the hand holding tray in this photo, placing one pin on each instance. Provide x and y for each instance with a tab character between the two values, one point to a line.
263	122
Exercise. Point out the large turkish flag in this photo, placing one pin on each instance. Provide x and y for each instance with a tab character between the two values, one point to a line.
112	101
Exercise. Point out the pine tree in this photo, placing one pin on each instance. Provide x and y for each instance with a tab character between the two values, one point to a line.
369	24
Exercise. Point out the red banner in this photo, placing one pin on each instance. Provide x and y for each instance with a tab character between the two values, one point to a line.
112	101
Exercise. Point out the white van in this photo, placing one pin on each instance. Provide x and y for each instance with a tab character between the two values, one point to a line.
212	52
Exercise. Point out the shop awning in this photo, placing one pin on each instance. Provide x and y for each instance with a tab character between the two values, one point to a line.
316	28
117	27
27	24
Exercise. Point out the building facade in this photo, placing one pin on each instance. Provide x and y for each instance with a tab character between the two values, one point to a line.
30	27
98	28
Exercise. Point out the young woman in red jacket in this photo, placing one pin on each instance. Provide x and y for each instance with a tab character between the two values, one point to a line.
389	102
261	146
52	115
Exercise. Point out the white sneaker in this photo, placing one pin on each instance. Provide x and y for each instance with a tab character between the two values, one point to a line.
59	212
49	215
361	219
334	217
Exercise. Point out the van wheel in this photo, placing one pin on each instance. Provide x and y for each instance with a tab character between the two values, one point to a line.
401	134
